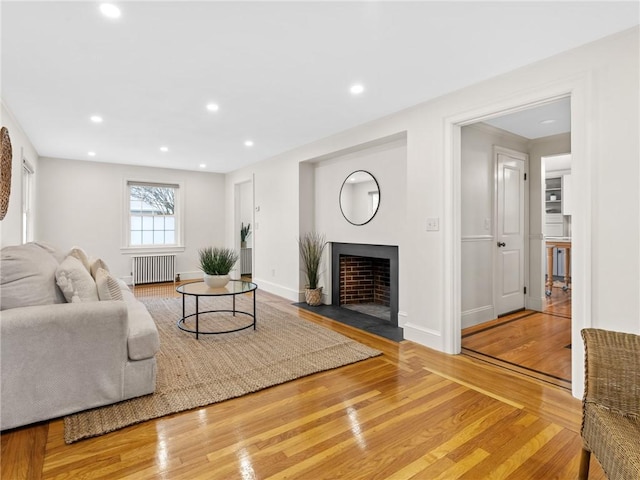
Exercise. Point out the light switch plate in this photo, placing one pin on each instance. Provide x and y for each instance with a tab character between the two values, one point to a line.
433	224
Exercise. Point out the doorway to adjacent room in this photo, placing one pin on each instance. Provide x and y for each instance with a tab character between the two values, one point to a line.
533	335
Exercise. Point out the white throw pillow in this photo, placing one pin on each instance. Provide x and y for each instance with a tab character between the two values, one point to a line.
28	276
108	287
95	264
75	281
81	255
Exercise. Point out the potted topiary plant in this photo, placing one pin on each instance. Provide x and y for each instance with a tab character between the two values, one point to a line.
311	247
244	234
216	263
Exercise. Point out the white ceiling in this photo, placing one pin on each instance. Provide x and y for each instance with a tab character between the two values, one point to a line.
548	119
280	71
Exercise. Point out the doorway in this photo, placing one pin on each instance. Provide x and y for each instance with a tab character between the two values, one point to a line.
244	228
529	340
558	212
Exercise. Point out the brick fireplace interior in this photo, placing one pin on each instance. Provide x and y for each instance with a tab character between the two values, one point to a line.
365	279
365	285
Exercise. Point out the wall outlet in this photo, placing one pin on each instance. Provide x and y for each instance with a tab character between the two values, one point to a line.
433	224
487	223
273	272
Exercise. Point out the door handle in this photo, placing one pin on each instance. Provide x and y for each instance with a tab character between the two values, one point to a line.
502	244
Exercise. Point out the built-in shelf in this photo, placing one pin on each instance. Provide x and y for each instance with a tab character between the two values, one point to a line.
553	195
557	204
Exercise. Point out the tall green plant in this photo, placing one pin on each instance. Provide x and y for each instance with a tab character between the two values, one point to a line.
311	247
216	260
245	232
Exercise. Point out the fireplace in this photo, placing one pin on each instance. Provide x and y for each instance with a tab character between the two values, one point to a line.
365	278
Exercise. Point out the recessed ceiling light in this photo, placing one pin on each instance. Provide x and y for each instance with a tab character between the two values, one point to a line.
91	154
96	118
203	165
548	121
164	149
248	143
213	107
356	89
110	10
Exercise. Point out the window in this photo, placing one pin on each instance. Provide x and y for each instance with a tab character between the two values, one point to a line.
27	201
153	219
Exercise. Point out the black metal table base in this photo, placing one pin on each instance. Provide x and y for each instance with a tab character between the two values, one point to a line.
198	332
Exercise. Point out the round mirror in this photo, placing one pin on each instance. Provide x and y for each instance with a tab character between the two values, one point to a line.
359	197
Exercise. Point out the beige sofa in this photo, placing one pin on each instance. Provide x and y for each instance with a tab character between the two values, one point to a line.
72	337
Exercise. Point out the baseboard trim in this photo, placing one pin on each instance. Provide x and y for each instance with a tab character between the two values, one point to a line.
280	290
475	316
424	336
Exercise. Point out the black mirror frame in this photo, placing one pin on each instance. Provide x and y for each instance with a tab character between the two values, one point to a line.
379	197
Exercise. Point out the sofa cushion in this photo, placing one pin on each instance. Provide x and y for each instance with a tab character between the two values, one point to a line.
95	264
28	276
108	287
123	285
75	281
81	255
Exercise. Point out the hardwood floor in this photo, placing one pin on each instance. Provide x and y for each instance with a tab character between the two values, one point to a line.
533	343
559	303
411	413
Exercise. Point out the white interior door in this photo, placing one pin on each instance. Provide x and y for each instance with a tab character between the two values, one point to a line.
509	275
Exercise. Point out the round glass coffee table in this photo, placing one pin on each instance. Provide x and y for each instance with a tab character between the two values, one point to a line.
232	289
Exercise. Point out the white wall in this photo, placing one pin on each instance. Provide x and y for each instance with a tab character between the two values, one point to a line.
602	79
11	226
81	203
478	220
388	164
275	230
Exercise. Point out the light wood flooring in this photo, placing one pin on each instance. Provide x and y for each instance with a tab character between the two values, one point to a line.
559	303
532	343
411	413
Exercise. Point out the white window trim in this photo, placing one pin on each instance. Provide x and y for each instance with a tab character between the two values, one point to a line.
126	222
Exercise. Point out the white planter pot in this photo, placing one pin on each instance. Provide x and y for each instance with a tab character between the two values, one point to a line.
216	281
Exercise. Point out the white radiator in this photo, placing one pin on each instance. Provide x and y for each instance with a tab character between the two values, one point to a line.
245	261
153	268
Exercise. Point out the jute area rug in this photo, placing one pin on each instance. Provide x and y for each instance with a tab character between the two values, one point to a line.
193	373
